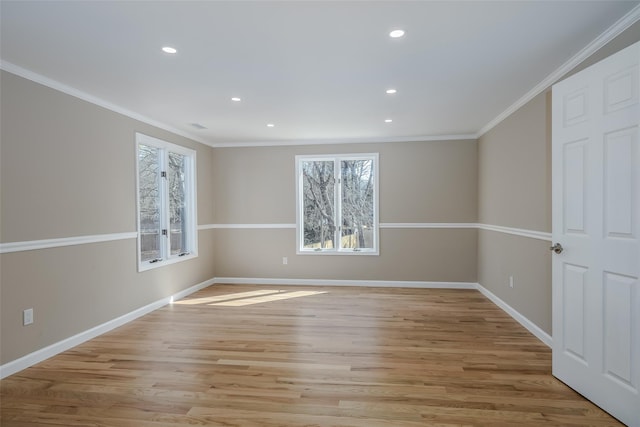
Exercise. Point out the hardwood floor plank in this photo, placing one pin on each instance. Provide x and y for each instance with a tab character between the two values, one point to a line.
304	356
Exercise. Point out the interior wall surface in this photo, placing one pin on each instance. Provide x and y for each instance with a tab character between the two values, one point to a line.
514	190
68	170
431	182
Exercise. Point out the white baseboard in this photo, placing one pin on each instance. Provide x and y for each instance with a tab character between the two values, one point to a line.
333	282
38	356
528	324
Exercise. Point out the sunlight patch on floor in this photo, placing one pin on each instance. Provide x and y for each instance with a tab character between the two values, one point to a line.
281	295
227	297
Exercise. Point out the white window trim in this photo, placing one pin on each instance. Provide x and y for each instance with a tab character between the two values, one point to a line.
299	208
192	220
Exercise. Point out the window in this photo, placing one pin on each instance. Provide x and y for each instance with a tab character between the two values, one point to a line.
337	204
166	202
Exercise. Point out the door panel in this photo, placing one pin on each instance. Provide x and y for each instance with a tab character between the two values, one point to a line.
618	299
621	89
575	186
620	192
575	279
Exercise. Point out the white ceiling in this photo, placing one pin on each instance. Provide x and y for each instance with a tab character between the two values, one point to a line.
318	70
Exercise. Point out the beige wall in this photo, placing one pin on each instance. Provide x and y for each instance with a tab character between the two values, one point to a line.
68	169
514	181
425	182
405	255
514	190
419	181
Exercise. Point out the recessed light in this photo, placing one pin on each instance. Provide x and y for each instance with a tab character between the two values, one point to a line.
388	120
169	49
236	99
396	33
270	125
391	91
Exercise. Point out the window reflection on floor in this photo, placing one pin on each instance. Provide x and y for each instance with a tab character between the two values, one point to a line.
248	298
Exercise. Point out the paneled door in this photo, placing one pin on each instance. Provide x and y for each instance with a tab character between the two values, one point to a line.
596	234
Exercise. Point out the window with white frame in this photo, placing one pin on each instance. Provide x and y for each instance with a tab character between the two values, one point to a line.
337	204
167	225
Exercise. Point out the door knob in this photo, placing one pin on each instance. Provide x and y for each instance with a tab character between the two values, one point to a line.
557	248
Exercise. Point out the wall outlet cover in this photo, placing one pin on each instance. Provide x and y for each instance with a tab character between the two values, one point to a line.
27	316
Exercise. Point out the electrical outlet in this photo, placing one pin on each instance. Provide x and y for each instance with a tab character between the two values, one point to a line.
511	282
284	260
27	316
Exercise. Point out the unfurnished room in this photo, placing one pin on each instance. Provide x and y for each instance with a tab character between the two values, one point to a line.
319	213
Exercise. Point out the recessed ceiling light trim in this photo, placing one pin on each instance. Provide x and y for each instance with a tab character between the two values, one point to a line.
388	120
391	91
236	99
169	49
270	125
396	34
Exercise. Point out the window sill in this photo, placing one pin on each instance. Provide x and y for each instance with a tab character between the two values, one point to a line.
333	252
145	266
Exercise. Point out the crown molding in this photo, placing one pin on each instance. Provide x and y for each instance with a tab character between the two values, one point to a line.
612	32
372	140
69	90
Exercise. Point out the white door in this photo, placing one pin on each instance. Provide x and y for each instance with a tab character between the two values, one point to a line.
596	219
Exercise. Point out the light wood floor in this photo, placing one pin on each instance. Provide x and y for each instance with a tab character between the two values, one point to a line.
366	357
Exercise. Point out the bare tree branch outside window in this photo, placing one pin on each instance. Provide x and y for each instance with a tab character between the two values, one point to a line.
151	221
357	203
149	195
319	200
177	202
354	222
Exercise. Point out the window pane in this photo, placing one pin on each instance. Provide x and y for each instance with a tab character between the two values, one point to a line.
150	229
318	208
357	203
177	203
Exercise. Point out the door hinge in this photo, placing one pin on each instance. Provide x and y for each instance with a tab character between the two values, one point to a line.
163	174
